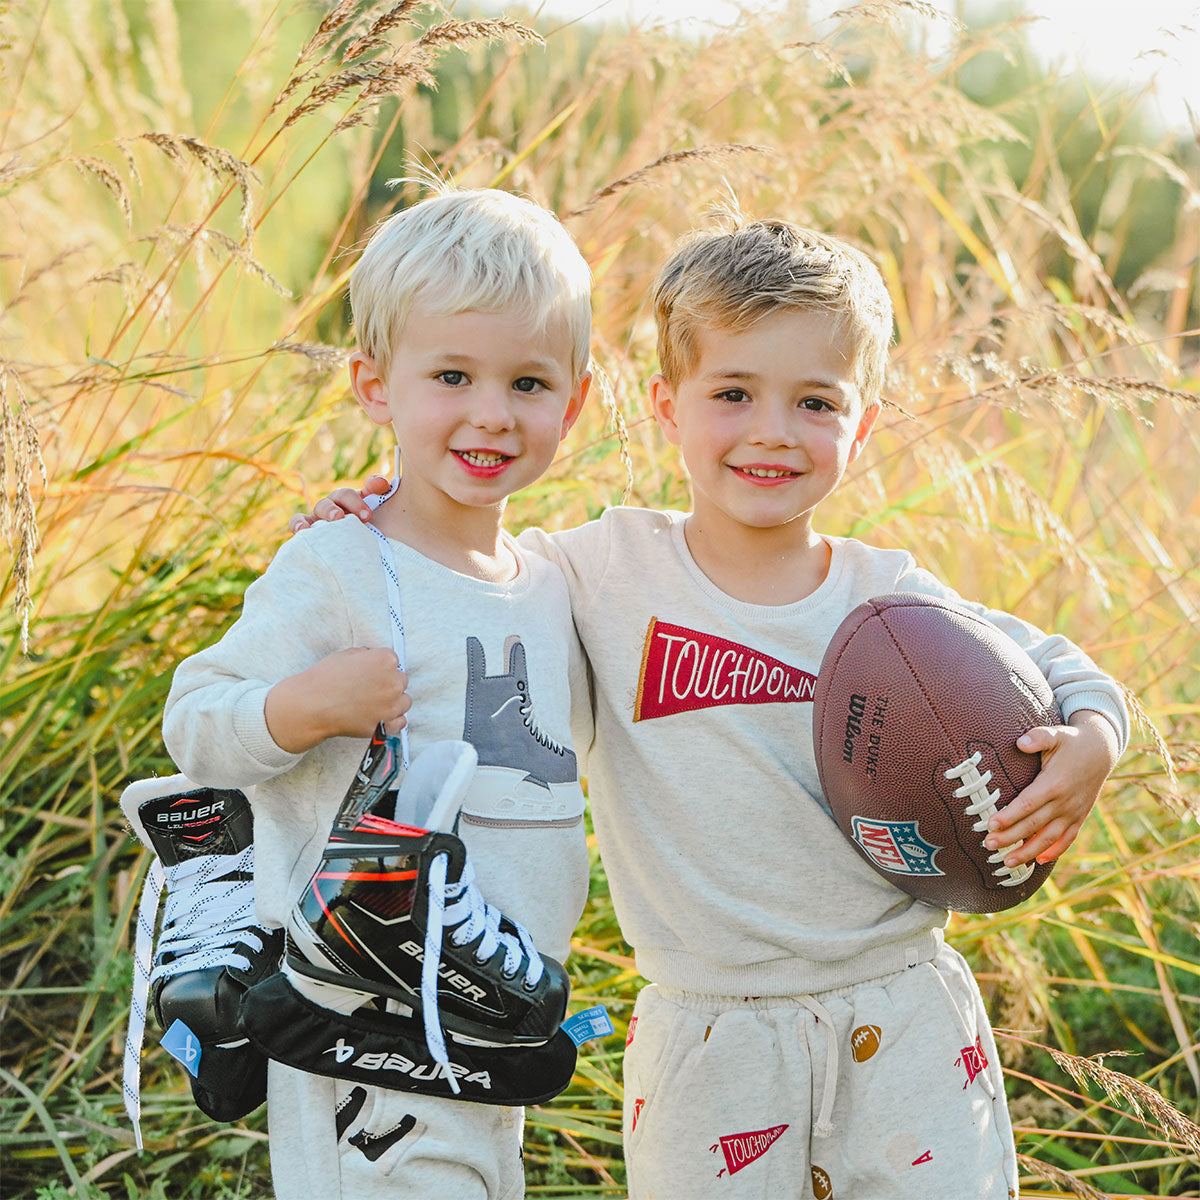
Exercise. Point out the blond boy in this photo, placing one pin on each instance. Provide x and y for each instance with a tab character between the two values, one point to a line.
769	943
472	314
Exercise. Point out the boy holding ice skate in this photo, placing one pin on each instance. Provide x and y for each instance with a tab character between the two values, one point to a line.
472	317
769	942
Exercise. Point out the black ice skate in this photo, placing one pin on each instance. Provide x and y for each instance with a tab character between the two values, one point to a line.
392	913
523	773
210	948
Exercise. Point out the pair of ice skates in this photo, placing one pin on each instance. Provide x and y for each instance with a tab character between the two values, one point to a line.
390	948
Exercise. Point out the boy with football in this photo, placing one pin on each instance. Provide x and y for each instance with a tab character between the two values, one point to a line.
472	316
777	957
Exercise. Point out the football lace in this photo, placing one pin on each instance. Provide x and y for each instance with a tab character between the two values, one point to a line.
983	805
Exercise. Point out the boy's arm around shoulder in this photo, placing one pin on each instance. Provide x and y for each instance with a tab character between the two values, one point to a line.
286	675
1077	756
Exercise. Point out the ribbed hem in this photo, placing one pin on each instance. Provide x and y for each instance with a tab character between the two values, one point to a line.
250	729
1102	703
784	976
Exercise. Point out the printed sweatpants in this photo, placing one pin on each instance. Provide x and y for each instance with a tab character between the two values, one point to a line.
890	1090
335	1140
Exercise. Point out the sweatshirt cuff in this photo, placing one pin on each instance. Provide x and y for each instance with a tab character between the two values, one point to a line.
1102	703
250	729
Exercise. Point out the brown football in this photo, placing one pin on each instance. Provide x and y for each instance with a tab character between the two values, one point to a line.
916	714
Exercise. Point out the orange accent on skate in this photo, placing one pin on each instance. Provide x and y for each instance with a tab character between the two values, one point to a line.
375	876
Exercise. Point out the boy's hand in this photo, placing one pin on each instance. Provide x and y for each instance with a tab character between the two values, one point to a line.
344	502
1076	760
343	695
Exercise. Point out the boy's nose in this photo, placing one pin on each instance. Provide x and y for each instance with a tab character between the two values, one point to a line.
492	409
772	426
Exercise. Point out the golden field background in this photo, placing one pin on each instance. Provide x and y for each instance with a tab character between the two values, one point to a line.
183	187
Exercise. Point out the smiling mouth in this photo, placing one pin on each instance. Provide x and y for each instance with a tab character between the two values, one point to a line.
484	458
767	472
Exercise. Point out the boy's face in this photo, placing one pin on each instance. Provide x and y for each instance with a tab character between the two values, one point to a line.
479	403
767	420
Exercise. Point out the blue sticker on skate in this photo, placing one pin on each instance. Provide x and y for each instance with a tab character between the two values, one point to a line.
181	1043
591	1023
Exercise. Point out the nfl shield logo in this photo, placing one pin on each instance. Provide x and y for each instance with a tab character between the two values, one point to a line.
896	846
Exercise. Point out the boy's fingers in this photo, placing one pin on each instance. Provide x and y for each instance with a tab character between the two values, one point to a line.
376	485
298	522
1039	739
327	510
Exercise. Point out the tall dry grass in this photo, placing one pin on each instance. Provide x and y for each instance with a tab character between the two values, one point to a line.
181	199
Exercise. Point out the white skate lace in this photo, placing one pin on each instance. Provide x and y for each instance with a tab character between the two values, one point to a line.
983	806
525	708
468	916
208	922
467	911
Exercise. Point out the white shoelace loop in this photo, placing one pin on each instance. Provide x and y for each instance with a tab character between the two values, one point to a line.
470	917
974	784
209	919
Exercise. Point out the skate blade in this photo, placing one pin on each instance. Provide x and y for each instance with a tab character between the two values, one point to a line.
328	995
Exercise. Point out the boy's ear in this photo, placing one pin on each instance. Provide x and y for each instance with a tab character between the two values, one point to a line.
662	400
368	387
865	424
575	404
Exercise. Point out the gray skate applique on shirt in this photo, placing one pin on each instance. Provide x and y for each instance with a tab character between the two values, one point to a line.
524	773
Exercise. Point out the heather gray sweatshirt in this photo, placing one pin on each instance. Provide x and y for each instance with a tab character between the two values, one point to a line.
728	874
495	664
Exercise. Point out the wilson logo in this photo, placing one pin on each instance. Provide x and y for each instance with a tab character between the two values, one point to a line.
854	720
684	670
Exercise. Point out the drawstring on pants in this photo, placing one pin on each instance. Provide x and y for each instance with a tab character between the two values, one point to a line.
824	1123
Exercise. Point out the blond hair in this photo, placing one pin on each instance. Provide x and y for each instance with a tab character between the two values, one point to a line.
477	250
728	279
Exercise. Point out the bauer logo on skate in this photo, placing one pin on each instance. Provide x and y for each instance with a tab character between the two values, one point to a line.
405	1066
202	813
446	972
896	846
684	670
741	1149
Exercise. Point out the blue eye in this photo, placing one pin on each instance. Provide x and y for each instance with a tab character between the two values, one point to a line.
527	384
451	378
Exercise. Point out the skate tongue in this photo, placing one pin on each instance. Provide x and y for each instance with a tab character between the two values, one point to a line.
200	822
435	785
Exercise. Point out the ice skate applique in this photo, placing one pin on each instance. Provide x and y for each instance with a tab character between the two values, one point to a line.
524	775
384	1148
973	1061
684	670
392	912
741	1149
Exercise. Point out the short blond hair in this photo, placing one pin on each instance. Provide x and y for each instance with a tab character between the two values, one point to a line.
478	250
728	279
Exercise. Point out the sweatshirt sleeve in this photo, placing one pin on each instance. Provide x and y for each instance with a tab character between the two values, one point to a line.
1074	678
581	554
214	724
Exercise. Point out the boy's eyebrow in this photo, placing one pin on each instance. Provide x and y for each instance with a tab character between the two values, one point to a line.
542	366
735	373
